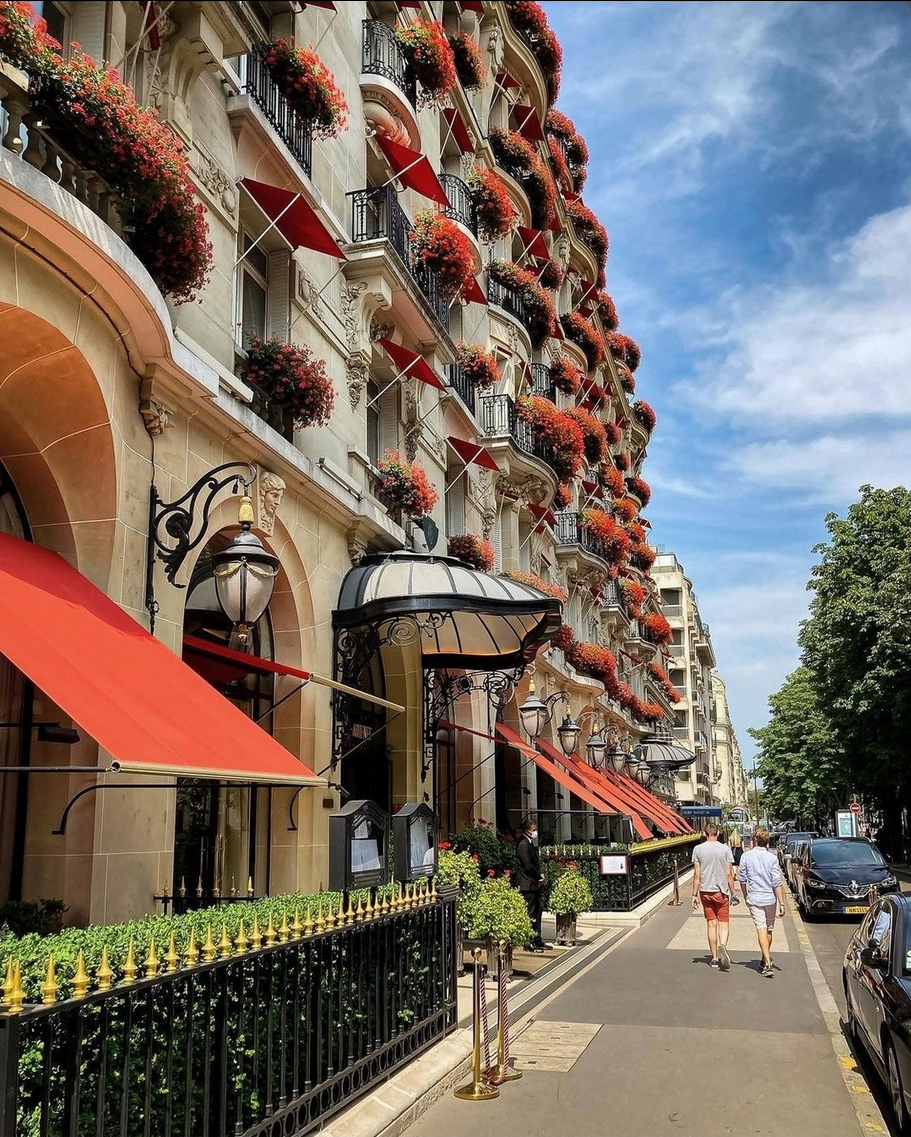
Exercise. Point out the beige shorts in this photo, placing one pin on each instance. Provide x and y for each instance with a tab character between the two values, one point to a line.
763	915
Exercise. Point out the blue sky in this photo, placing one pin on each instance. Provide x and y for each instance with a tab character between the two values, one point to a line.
752	164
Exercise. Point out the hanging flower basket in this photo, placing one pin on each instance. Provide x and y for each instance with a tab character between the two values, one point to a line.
640	488
425	45
564	375
661	677
648	713
494	210
308	86
478	365
607	310
563	496
625	509
656	629
557	430
560	165
634	595
644	413
641	556
534	581
474	550
627	379
519	157
469	63
550	274
610	479
529	19
441	246
594	438
583	334
563	638
624	349
614	433
595	661
568	148
590	230
613	538
623	461
290	378
94	114
405	485
539	307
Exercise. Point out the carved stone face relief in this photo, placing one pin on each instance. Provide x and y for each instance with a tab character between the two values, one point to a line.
271	491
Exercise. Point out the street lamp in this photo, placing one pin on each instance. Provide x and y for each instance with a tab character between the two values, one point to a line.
245	575
568	732
596	746
535	714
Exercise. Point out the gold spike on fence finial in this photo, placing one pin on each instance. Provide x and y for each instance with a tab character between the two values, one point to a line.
270	935
433	891
104	973
256	936
151	961
330	916
240	940
340	914
208	948
296	926
360	913
7	984
284	931
224	944
233	886
81	978
320	922
249	885
199	887
129	966
368	907
349	912
50	986
308	922
16	995
171	958
192	951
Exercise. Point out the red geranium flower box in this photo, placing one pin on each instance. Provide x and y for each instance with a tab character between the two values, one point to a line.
474	550
479	366
425	45
439	243
308	86
645	414
289	376
405	485
656	629
496	215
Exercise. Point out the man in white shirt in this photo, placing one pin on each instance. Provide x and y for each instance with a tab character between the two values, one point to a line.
760	880
713	886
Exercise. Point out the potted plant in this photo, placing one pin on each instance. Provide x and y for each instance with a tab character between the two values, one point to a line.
594	661
516	155
594	438
541	316
634	595
294	384
564	375
645	414
497	912
534	581
479	366
458	869
610	479
550	275
656	629
425	46
612	538
583	334
563	638
530	20
627	379
563	496
496	215
472	549
625	509
640	488
661	677
309	87
555	429
570	894
405	485
614	433
440	245
624	349
570	145
469	64
591	232
607	310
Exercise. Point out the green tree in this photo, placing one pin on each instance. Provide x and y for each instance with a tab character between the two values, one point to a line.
800	760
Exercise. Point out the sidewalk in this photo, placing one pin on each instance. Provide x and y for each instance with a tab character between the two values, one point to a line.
650	1041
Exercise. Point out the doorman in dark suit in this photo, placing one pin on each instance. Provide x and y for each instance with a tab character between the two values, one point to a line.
529	879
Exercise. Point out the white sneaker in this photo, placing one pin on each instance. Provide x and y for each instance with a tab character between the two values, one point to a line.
724	960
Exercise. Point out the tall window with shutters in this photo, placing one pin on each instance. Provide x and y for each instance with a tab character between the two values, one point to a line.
262	302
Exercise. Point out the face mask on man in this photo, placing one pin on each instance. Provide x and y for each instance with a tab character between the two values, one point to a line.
533	836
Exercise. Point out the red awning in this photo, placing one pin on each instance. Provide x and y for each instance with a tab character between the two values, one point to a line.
581	770
327	4
527	122
559	334
471	5
459	130
150	24
473	293
533	242
593	489
541	513
294	217
506	81
567	780
412	169
471	452
137	699
652	806
410	363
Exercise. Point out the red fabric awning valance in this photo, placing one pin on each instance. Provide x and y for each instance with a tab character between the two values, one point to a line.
527	122
541	513
533	242
113	678
473	452
412	169
584	773
473	293
459	130
294	217
410	363
543	762
506	81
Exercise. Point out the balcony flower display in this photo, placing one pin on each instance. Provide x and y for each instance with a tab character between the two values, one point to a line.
627	379
597	662
534	581
95	115
661	677
564	375
425	45
563	638
529	19
656	629
518	156
474	550
590	230
641	556
539	308
555	429
289	376
645	414
479	366
594	438
639	487
308	86
613	538
469	64
624	349
496	215
607	310
614	433
441	246
623	461
610	479
583	334
628	699
405	485
625	509
550	274
633	594
568	150
648	713
560	165
563	496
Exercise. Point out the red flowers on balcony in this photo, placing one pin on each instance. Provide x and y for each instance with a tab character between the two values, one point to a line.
405	485
607	310
479	366
289	376
644	413
596	662
648	712
534	581
640	488
624	349
550	274
623	461
661	677
539	307
563	496
564	375
442	246
563	638
583	334
469	64
594	438
613	538
308	86
494	210
641	556
555	429
634	595
529	19
627	379
520	158
610	479
614	433
425	45
591	232
560	165
625	509
474	550
656	629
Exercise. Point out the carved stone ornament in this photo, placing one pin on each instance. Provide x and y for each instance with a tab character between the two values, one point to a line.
271	491
351	306
528	488
380	331
357	373
413	426
495	48
358	542
214	179
382	117
155	416
562	251
307	292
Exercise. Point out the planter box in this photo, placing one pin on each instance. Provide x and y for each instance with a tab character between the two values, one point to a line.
490	957
566	929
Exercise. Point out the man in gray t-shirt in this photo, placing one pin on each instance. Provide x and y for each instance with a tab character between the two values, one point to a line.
713	886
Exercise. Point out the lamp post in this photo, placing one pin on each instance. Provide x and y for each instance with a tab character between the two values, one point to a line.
755	794
535	715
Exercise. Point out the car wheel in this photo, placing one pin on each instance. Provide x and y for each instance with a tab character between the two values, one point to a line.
896	1093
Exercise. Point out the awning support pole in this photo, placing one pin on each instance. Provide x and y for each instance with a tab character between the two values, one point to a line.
60	831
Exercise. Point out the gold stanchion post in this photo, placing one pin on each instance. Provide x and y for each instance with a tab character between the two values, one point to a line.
477	1089
675	899
502	1072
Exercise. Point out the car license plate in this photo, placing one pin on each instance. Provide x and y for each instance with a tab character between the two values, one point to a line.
857	909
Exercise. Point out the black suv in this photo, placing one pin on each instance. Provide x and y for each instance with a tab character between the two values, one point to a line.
841	875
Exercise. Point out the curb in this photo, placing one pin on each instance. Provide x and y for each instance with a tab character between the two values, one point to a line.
869	1117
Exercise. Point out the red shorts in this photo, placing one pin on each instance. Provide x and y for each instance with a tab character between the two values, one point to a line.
716	906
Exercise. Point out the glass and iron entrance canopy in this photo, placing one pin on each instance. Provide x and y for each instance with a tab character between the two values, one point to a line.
464	618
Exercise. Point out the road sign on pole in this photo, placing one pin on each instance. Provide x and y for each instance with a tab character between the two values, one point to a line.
855	807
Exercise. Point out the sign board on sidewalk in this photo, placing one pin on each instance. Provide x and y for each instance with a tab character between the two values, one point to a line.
845	823
614	865
701	810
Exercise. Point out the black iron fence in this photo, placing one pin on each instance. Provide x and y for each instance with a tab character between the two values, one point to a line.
461	206
509	299
497	416
572	530
234	1038
650	868
376	213
462	385
294	131
383	56
541	382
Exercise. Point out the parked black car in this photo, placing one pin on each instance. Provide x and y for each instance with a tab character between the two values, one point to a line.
877	979
835	875
786	845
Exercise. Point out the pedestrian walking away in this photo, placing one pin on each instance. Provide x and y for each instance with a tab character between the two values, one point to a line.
760	881
713	887
736	843
530	880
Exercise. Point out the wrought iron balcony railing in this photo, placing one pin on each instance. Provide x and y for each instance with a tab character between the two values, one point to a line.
508	299
572	530
498	418
375	214
541	383
294	131
462	385
383	56
461	206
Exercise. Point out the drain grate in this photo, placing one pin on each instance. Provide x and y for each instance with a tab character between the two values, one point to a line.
552	1046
